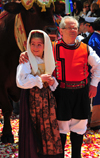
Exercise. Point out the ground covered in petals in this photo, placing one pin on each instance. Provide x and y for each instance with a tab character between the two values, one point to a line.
90	147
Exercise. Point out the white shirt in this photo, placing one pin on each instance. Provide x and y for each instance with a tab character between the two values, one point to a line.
25	80
79	38
87	15
94	61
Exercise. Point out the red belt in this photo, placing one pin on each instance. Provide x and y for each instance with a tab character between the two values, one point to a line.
73	85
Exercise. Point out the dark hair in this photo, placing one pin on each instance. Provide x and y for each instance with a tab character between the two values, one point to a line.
96	24
78	7
81	20
95	7
38	35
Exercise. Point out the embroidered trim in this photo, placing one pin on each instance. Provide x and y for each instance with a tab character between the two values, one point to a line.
73	85
19	32
45	4
3	14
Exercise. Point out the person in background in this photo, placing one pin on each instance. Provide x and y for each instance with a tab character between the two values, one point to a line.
57	19
89	27
81	29
86	9
94	42
36	77
77	9
1	7
94	10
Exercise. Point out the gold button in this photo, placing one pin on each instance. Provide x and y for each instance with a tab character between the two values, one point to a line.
57	72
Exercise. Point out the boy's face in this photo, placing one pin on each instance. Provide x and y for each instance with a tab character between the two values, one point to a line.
37	47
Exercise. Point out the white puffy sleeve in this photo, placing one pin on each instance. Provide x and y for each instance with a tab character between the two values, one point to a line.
24	78
54	86
94	61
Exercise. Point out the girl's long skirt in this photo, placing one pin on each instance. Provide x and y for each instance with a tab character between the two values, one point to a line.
38	128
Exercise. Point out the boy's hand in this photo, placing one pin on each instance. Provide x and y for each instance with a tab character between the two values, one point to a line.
23	58
92	91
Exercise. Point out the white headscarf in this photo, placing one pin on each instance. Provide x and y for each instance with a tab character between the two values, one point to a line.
48	54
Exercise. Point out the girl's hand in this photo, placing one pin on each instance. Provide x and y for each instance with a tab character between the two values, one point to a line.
47	78
51	82
23	58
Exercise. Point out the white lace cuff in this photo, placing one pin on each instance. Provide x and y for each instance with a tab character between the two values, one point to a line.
54	86
38	82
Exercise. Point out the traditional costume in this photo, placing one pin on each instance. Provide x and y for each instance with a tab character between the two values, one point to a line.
72	93
39	104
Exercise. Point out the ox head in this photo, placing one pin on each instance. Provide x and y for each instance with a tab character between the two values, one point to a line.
34	18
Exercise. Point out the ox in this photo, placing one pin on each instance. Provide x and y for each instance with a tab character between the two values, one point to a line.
9	53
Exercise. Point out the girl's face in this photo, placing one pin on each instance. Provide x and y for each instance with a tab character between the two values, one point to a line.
37	47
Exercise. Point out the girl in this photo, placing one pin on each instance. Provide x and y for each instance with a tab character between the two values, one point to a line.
36	75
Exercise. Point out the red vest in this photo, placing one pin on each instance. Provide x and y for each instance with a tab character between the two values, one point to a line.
71	61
